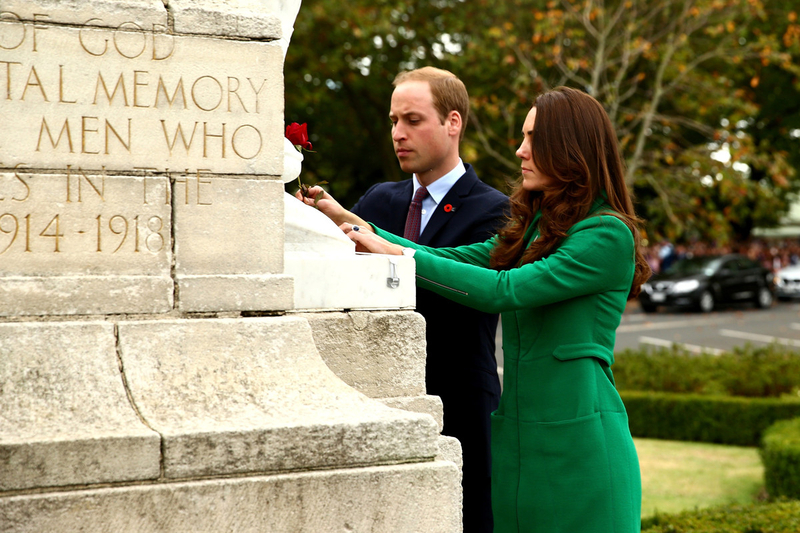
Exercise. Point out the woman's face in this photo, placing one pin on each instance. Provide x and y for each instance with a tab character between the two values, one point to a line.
532	179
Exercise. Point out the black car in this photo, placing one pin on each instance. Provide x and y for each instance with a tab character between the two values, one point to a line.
702	282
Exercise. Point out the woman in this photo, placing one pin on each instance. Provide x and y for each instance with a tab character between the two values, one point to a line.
560	272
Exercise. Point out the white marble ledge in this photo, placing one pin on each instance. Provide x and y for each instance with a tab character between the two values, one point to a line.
351	281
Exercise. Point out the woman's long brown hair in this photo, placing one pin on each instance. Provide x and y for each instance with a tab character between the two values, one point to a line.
574	143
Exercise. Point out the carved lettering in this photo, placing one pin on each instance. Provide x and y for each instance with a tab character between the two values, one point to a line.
8	76
212	85
200	182
256	91
44	128
246	131
178	132
11	228
110	97
94	51
159	36
110	128
8	20
24	184
38	83
86	128
100	191
162	88
220	136
61	87
36	27
136	85
233	90
129	43
69	69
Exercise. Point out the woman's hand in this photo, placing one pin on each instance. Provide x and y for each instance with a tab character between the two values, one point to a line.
320	199
367	241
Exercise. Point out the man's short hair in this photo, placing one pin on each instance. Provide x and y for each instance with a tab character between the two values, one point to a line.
449	93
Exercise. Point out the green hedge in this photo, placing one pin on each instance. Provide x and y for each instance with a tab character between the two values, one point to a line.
765	371
703	418
781	517
780	453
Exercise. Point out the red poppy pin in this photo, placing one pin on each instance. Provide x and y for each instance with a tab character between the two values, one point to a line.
448	208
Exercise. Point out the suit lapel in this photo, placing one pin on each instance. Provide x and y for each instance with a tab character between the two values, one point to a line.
449	206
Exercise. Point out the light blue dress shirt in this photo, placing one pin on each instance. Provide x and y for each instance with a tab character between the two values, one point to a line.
437	191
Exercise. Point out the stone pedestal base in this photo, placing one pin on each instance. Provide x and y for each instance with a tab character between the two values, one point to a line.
418	498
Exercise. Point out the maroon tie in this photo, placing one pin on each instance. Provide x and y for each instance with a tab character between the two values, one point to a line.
414	218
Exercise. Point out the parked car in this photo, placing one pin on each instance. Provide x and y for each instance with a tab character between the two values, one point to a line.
787	282
702	282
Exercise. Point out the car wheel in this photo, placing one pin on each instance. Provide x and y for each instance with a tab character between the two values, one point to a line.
648	308
706	303
763	297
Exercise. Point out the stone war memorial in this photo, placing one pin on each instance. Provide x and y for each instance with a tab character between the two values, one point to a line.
184	347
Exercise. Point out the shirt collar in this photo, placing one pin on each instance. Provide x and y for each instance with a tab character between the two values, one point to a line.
439	188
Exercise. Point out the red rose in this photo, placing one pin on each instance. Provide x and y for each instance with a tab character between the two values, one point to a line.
298	135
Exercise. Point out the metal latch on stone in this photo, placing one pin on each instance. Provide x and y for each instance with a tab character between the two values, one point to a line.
393	281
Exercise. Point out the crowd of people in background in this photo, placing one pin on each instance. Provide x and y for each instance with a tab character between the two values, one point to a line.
773	254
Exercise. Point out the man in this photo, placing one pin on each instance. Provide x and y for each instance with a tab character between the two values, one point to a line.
429	112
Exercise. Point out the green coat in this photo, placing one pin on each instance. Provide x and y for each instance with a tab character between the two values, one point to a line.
563	460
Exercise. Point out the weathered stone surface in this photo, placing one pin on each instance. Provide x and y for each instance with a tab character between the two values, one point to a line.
238	18
229	243
146	14
252	395
430	405
84	295
64	415
450	450
82	243
381	354
420	498
213	294
94	98
235	226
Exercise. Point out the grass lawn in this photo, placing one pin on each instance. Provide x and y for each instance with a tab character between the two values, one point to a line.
678	476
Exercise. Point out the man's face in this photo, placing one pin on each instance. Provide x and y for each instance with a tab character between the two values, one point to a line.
422	143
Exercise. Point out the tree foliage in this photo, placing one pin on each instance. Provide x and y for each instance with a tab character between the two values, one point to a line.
690	86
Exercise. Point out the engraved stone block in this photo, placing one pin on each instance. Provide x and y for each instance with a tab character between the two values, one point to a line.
65	418
131	98
83	243
231	396
418	498
229	245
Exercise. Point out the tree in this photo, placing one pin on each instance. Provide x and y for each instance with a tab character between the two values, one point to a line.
676	79
339	72
687	84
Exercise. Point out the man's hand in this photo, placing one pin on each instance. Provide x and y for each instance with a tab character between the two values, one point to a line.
317	197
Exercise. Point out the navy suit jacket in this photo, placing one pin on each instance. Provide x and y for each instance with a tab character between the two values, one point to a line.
461	340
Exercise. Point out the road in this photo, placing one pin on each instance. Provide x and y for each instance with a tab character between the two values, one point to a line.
712	332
